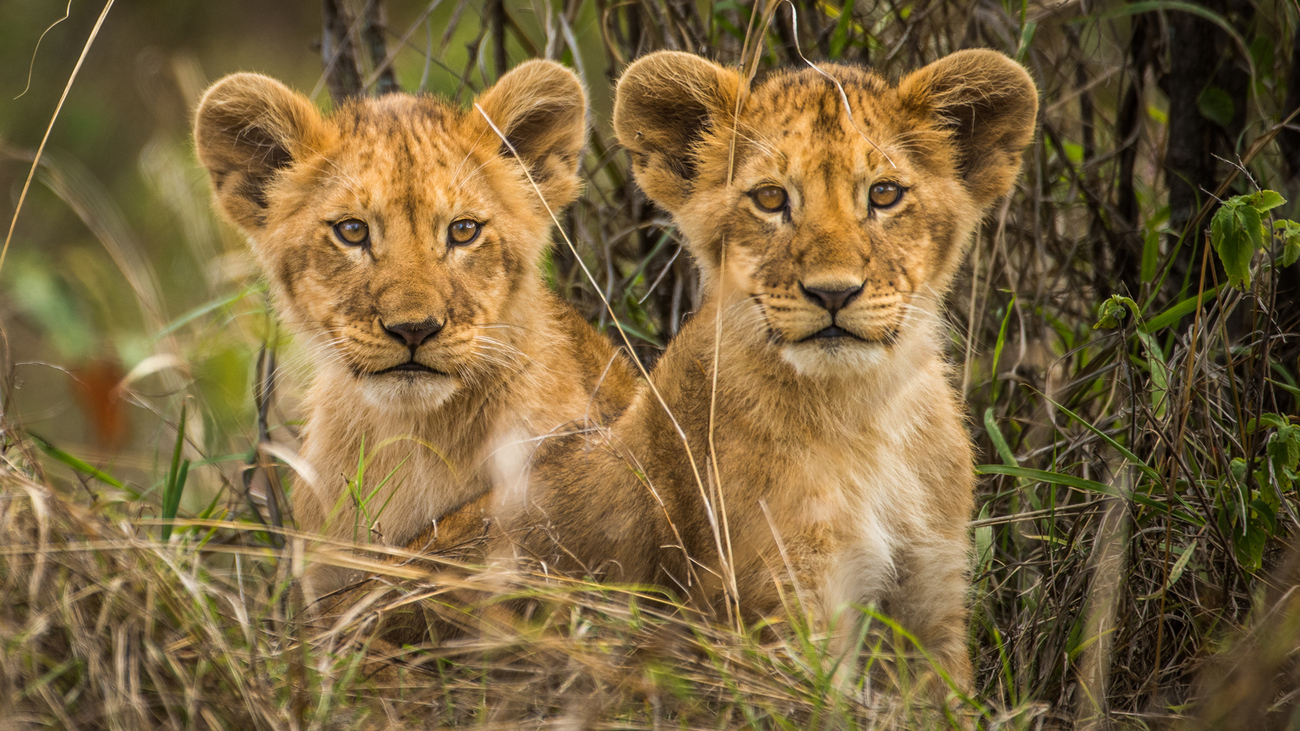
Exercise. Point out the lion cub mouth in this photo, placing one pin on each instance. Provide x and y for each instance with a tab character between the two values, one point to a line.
410	367
836	335
833	332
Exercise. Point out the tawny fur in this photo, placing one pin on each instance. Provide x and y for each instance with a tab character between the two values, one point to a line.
851	452
511	364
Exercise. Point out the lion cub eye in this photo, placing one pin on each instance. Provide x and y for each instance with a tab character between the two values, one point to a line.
463	232
770	198
884	195
352	232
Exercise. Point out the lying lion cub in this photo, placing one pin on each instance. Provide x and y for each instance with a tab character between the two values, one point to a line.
402	239
828	463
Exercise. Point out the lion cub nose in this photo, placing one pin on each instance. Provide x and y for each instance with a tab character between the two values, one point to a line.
412	333
832	300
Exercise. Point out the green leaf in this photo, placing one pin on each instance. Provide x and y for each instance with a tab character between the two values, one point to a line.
1216	105
1265	421
1289	232
1238	469
1284	448
1159	373
1265	200
999	441
1252	223
1270	497
1263	54
1114	310
1222	222
1231	241
1266	516
1110	316
1150	255
840	38
1175	571
1249	545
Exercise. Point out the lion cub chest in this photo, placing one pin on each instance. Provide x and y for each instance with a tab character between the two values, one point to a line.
855	521
375	486
853	499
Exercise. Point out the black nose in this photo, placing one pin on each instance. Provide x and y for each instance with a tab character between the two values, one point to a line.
832	300
412	333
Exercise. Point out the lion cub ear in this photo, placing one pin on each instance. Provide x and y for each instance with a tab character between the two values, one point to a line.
248	127
664	105
990	104
540	108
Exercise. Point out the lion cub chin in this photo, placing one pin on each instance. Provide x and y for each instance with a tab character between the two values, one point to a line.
828	465
402	237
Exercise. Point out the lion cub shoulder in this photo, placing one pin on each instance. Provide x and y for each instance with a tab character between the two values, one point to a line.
402	236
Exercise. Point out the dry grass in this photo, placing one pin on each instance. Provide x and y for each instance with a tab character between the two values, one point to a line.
105	626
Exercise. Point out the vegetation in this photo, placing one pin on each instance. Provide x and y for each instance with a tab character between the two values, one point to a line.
1127	336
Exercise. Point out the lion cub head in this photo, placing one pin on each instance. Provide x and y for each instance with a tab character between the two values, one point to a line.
835	205
400	234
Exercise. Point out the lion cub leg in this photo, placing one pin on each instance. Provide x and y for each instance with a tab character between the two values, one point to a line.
929	600
446	552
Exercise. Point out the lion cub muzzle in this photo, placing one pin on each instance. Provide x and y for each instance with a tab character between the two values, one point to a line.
412	335
830	298
840	311
871	322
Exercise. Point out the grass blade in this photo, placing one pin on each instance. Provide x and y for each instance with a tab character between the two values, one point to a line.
1079	483
82	466
171	499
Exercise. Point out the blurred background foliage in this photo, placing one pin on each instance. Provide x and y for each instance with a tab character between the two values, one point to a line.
1141	477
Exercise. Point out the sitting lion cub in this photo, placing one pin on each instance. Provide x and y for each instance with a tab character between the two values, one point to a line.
828	462
402	239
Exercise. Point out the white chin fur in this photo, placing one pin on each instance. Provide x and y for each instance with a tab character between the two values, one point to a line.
838	360
417	392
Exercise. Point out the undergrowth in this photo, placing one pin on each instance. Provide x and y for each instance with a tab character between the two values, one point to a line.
1127	347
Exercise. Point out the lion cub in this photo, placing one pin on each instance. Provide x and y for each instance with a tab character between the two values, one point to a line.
402	239
828	461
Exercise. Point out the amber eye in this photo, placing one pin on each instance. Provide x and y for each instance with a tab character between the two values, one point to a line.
770	198
352	232
884	195
463	232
